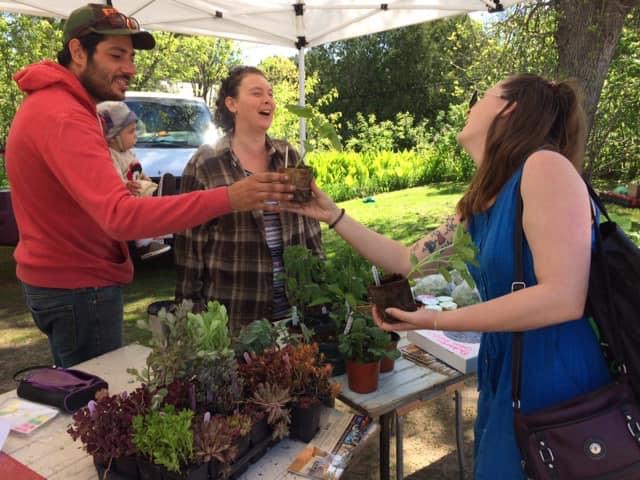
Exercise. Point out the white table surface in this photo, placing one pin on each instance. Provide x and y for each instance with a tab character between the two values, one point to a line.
52	453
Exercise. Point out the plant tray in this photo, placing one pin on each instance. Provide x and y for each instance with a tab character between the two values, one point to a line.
256	452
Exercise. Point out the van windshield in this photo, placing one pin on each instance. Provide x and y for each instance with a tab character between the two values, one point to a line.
171	123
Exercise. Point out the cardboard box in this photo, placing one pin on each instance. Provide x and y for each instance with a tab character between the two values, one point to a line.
457	349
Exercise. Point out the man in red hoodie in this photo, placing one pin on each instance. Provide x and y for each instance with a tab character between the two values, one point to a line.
73	211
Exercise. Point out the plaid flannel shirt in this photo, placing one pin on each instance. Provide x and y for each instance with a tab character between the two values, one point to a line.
228	259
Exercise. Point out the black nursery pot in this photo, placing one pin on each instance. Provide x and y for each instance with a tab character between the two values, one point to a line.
127	466
214	469
147	470
192	472
305	421
393	291
243	444
259	431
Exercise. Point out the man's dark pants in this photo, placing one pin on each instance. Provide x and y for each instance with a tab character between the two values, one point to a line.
80	323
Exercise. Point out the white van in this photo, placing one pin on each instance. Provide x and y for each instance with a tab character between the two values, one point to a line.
170	129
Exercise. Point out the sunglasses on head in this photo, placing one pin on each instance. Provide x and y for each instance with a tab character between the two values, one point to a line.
474	99
111	19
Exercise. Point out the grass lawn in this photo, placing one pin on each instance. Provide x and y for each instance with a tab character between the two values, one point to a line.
405	215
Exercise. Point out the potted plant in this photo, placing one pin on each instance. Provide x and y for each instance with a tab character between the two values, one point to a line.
300	174
363	346
165	439
105	428
394	290
170	355
310	389
304	277
213	443
273	399
239	425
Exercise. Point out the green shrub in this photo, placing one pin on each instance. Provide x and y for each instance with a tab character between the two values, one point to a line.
348	174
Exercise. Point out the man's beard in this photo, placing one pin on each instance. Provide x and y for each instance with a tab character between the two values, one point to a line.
97	83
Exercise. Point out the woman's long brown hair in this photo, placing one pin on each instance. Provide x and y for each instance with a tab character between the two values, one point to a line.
546	115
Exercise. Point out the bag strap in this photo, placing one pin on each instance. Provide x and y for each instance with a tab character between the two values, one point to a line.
29	369
518	284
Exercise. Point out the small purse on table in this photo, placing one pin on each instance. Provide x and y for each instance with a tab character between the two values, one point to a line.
64	388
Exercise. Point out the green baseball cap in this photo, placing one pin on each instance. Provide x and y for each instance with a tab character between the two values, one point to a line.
106	20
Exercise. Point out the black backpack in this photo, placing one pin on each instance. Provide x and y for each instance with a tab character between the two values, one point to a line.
613	301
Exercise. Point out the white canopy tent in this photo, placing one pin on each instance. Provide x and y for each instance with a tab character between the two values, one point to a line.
291	23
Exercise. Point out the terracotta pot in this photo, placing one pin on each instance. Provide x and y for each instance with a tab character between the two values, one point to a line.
363	377
387	364
300	177
394	291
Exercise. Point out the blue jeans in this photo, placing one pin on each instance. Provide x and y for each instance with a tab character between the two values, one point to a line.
80	323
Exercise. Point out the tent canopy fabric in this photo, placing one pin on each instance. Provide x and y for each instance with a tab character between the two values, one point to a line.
288	23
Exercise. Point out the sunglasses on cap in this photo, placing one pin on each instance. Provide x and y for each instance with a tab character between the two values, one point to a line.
110	19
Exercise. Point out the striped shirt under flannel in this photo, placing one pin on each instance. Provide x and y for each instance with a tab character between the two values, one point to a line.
228	259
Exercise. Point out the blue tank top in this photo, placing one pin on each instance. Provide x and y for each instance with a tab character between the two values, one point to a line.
559	362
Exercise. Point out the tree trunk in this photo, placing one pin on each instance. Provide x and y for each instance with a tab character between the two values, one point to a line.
587	35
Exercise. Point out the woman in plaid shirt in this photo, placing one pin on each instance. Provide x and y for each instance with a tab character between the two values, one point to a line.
235	258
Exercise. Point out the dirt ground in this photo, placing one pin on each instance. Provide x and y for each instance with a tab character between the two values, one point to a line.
429	442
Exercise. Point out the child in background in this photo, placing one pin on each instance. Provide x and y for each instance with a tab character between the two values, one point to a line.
119	126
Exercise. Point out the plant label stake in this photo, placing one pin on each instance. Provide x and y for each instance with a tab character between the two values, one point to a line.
349	323
294	316
376	275
286	156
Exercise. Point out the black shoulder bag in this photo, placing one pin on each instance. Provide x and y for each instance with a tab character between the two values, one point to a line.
592	436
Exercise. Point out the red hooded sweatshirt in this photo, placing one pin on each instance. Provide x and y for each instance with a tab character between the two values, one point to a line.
72	209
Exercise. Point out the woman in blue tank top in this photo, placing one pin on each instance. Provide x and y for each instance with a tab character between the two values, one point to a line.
526	136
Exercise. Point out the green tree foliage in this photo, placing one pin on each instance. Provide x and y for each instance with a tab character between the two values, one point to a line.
615	138
23	40
201	61
282	73
413	69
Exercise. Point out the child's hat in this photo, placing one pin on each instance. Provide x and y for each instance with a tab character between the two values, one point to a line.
115	116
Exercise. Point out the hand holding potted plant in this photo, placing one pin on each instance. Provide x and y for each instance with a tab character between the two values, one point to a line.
300	174
395	291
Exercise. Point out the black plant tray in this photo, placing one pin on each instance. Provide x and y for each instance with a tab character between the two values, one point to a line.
240	466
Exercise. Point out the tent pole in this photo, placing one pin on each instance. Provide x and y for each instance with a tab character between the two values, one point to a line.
301	98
